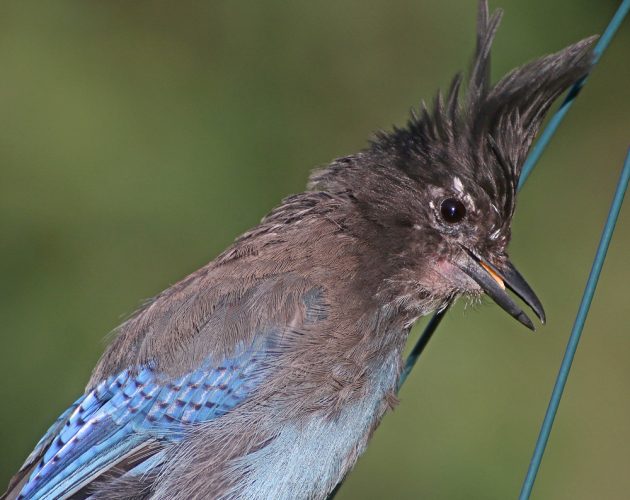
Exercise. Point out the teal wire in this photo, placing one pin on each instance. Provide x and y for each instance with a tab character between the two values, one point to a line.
421	344
576	332
557	118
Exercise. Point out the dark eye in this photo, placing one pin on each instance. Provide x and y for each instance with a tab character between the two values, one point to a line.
452	210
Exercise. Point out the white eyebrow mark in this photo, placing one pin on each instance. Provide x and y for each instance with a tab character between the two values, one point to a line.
469	199
458	185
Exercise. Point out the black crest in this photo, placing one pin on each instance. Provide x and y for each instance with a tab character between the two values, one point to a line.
487	134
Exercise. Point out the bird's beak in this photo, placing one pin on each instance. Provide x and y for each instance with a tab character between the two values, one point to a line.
494	281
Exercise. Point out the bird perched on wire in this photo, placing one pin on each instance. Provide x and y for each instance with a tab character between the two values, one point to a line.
263	374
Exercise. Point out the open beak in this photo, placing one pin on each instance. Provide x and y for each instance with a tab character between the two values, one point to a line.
494	282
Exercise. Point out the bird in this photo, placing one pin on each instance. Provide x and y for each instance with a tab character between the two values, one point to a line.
264	374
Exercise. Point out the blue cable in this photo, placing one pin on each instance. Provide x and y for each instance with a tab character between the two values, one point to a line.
556	119
421	344
576	332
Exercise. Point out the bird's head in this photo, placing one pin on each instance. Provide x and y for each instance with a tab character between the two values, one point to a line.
439	194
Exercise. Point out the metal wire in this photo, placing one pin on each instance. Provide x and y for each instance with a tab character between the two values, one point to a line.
557	118
421	344
576	332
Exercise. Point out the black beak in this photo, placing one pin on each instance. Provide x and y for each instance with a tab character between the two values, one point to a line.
494	281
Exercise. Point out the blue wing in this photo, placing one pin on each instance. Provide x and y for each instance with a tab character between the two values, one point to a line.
131	412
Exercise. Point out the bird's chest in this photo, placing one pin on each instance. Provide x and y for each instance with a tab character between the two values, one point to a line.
307	459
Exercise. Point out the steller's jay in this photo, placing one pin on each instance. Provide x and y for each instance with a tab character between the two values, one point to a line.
263	374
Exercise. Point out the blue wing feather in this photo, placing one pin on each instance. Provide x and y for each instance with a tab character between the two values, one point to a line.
50	434
132	410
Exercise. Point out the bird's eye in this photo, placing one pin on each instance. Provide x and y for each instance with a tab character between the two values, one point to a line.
452	210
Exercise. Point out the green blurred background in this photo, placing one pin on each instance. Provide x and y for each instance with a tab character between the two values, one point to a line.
139	138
